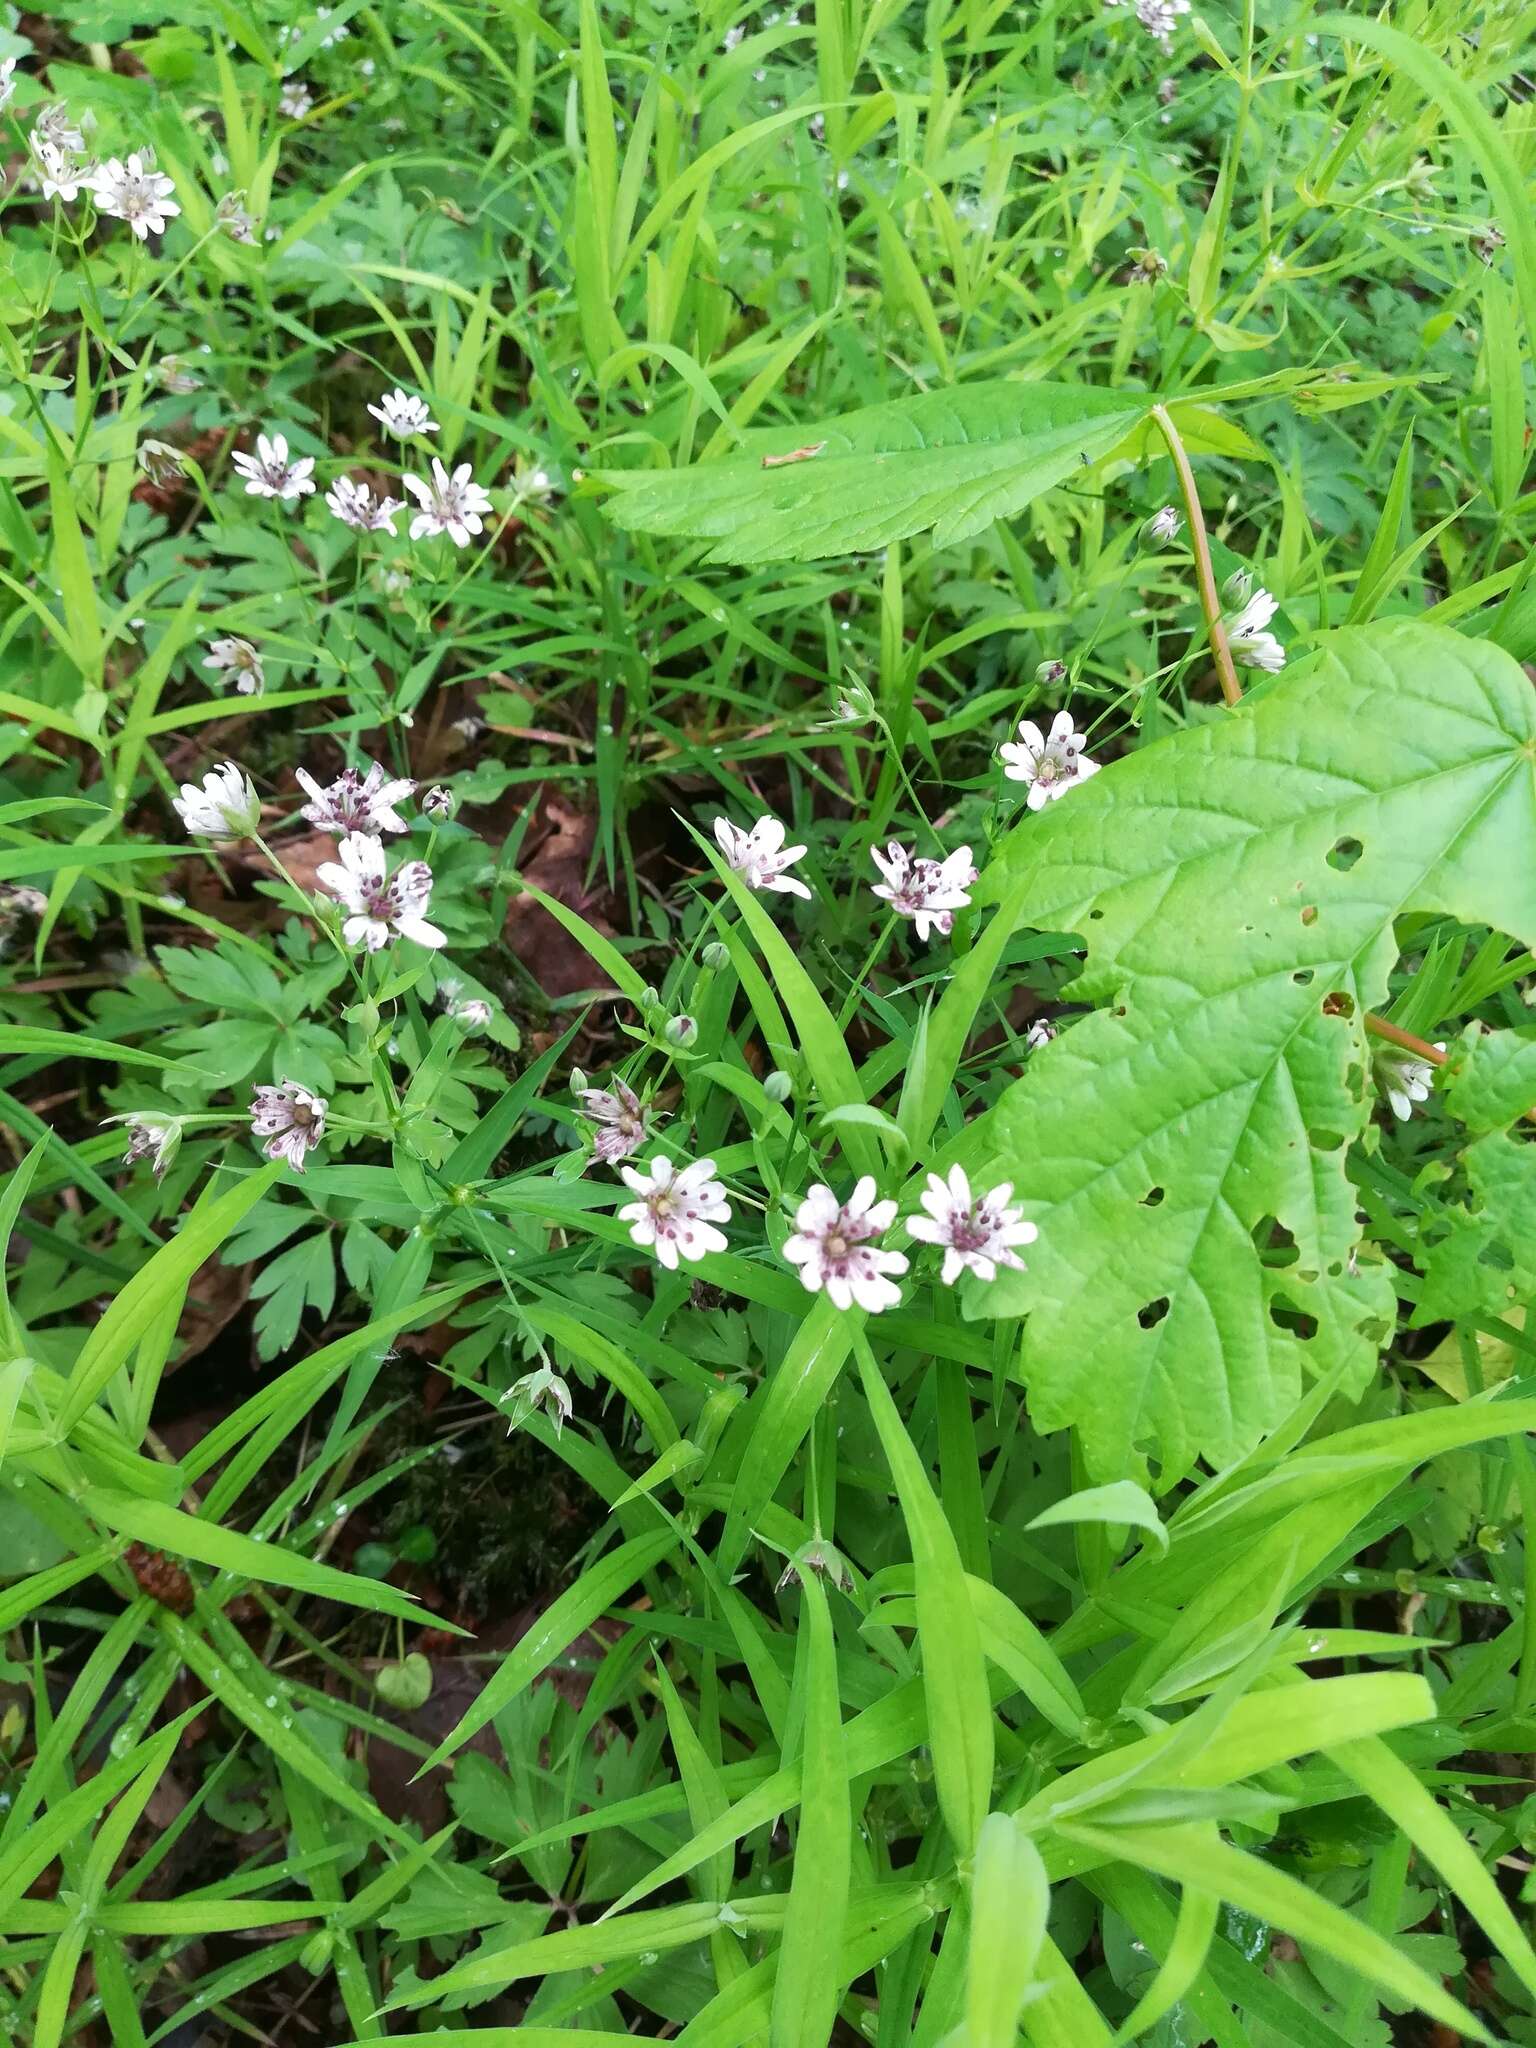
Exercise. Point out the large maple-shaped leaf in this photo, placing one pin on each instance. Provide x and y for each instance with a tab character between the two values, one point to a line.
1236	886
950	461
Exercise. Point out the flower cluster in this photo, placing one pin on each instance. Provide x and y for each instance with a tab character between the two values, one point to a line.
835	1244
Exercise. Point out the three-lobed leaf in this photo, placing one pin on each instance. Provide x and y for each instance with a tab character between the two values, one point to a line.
1237	886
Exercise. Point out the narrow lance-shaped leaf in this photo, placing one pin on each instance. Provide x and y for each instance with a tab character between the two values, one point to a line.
950	462
1237	886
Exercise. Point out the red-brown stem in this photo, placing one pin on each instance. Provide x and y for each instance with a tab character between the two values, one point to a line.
1421	1048
1205	574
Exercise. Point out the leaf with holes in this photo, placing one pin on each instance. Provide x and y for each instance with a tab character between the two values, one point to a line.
1183	1148
950	461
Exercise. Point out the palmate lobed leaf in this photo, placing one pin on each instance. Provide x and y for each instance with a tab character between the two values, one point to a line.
951	461
1238	939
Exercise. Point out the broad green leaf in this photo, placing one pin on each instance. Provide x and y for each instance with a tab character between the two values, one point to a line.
946	462
1236	886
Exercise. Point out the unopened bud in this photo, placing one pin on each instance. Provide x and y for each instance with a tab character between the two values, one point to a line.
1237	589
438	804
1050	673
681	1031
1161	527
778	1087
579	1082
715	956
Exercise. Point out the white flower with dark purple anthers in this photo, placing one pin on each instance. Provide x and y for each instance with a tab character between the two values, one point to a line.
403	414
1051	766
834	1247
677	1210
60	172
449	504
1248	636
225	807
269	473
290	1119
356	803
927	891
132	190
356	506
1040	1033
978	1233
55	125
239	659
760	856
622	1118
1404	1080
379	910
151	1136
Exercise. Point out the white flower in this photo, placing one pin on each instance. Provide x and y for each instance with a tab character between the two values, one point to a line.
1250	642
135	192
7	81
760	856
832	1247
151	1136
677	1210
1404	1080
291	1119
1040	1033
160	461
241	660
53	124
438	804
927	891
623	1119
379	910
449	504
295	99
355	505
977	1234
231	218
269	474
61	173
356	803
1050	766
225	807
1160	17
1161	527
334	35
402	414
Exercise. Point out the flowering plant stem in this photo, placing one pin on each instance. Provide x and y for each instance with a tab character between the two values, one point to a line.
1205	575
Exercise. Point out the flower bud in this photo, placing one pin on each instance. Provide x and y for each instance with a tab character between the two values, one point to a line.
473	1015
438	805
579	1082
1237	589
778	1087
1161	527
715	956
681	1031
1050	673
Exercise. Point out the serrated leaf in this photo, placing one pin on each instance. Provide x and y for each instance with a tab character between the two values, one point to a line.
1237	886
950	462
